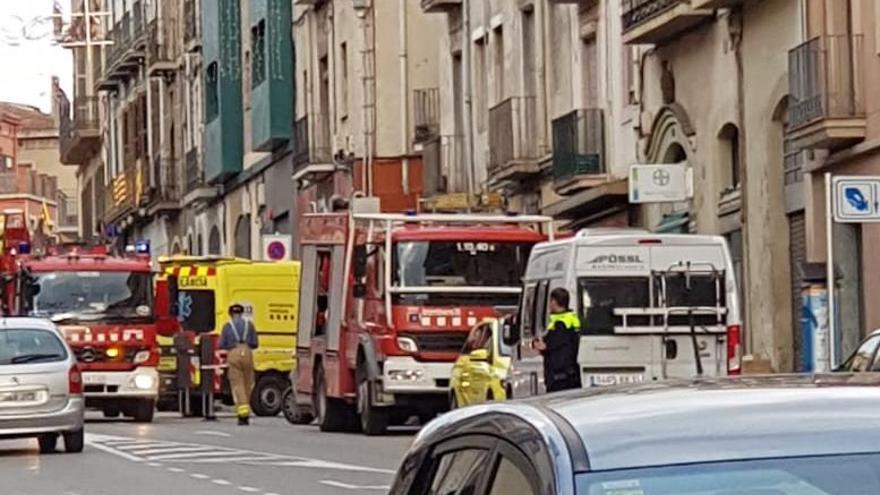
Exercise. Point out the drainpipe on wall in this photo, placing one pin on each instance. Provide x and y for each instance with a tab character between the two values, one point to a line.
543	100
404	86
467	86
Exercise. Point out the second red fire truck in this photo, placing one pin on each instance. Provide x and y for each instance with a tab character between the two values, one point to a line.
387	301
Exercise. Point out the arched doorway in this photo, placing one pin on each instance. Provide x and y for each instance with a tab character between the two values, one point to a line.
200	245
214	241
243	237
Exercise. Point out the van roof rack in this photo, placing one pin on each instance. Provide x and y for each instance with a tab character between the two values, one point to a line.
599	231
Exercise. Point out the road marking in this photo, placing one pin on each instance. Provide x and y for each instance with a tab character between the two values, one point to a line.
249	489
221	482
347	486
199	476
154	464
213	433
176	470
154	451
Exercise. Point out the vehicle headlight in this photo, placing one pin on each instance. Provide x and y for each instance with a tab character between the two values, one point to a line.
112	353
141	357
144	382
405	375
407	344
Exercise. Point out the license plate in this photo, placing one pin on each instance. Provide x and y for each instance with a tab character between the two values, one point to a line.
607	380
18	397
93	379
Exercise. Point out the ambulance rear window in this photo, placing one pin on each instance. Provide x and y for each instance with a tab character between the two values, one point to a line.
196	310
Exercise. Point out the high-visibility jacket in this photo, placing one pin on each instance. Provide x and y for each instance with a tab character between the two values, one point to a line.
569	319
562	340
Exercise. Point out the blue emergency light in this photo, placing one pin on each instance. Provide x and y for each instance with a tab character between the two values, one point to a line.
142	247
24	248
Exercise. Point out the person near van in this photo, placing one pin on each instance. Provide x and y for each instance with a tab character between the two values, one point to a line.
559	346
239	339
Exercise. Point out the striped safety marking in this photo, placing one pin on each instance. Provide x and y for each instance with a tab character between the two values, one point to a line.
192	271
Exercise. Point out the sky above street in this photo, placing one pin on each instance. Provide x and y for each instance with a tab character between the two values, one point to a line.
28	55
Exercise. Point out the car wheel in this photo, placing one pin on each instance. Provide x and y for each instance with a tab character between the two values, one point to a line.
294	414
48	443
373	420
143	411
267	398
332	414
74	442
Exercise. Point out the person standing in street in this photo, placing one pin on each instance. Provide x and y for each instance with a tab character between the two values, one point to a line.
239	339
559	346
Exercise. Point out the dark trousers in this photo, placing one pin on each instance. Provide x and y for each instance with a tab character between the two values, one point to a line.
564	382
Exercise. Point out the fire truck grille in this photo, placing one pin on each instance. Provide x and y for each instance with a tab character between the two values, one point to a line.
92	355
438	341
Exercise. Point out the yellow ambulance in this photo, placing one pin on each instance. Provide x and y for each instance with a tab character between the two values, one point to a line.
205	287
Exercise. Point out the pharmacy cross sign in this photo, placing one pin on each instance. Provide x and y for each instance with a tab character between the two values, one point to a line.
661	177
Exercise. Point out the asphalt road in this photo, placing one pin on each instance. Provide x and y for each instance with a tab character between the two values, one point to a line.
193	457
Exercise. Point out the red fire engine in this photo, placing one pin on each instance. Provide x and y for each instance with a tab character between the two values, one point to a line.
104	306
387	301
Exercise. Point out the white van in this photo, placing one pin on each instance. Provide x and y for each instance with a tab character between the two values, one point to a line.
652	307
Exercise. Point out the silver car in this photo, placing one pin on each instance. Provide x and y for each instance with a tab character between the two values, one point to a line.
40	385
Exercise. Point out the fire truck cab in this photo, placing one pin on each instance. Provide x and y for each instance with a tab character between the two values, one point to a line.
103	305
387	302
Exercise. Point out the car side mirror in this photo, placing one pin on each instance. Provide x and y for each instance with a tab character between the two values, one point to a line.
359	291
510	333
360	262
479	355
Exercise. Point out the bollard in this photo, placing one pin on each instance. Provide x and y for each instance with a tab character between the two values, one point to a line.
206	372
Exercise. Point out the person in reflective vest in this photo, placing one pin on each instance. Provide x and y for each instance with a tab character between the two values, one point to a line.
559	346
239	339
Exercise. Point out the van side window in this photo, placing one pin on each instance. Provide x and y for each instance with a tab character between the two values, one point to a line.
527	310
540	316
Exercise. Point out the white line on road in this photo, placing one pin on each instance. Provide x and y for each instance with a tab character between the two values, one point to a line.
213	433
249	489
339	484
199	476
176	470
172	450
154	464
221	482
199	455
111	450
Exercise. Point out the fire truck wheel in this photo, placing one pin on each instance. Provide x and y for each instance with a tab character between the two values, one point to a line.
332	414
374	420
74	442
295	415
143	411
267	398
48	443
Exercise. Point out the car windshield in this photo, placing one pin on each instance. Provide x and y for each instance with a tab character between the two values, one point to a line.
85	295
827	475
24	345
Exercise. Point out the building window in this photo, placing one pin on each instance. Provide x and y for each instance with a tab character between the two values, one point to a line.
498	41
6	163
729	156
243	237
212	93
258	47
343	73
590	67
481	84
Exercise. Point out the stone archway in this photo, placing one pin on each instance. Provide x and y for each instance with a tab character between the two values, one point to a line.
243	237
214	247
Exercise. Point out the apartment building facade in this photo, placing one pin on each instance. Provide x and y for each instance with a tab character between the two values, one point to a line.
714	97
367	101
834	126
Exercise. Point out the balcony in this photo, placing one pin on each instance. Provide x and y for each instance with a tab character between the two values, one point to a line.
164	195
197	190
68	218
826	87
160	56
426	105
79	134
513	148
656	21
312	153
579	151
125	194
716	4
126	53
192	37
431	6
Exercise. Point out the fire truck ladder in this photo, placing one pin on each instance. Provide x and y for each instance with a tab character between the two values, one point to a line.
380	225
689	270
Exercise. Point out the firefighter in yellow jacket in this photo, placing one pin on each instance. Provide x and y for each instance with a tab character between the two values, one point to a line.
239	339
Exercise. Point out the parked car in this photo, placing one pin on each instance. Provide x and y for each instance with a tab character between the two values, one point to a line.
787	435
41	390
481	372
865	358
